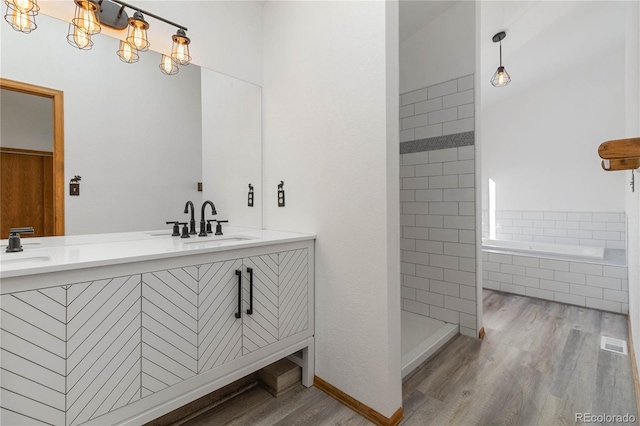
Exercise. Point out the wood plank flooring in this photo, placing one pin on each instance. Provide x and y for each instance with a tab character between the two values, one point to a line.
539	364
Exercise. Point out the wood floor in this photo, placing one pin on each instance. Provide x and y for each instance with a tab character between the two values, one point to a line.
539	364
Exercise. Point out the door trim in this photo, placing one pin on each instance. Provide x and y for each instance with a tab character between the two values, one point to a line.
58	143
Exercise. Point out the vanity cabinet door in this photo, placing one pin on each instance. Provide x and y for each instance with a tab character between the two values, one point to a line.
293	281
33	332
219	331
169	328
260	327
103	347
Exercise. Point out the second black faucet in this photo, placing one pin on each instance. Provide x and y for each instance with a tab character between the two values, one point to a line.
203	224
192	222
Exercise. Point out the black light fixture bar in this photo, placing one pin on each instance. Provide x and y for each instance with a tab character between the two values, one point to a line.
144	12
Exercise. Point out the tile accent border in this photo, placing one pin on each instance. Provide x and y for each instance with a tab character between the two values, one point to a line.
439	142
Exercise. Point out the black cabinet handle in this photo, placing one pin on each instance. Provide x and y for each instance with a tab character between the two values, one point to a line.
250	310
239	274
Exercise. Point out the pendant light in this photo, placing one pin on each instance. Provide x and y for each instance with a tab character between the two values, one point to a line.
137	32
127	52
501	76
168	65
21	15
180	48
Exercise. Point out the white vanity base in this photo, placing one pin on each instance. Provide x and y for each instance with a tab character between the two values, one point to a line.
164	402
127	331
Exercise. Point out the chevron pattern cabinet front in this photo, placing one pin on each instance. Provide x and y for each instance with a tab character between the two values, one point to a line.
219	331
70	353
294	287
169	328
32	379
103	347
260	328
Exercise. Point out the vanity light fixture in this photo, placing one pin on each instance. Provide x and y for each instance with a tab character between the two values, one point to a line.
84	24
128	53
137	32
168	65
501	76
88	19
180	48
21	15
85	17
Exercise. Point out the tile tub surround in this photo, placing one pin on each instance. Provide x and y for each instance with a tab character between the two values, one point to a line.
603	287
438	235
439	110
594	229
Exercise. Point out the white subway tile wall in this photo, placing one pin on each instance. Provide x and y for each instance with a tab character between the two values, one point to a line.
595	286
438	231
439	110
573	228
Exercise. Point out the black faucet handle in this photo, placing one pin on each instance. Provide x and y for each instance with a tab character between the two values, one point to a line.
23	230
176	228
185	230
14	238
218	226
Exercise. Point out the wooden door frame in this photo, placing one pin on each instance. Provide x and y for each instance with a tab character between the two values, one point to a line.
58	143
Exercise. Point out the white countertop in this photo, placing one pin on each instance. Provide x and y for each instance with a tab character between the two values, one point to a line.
54	254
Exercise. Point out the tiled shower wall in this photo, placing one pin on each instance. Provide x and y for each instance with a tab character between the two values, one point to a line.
438	110
438	222
594	229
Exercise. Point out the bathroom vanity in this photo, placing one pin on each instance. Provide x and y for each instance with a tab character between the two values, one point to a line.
123	328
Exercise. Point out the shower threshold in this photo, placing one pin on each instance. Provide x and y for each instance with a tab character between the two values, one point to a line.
421	338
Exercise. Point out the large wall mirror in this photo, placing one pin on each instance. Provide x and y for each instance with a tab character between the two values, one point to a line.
31	158
135	135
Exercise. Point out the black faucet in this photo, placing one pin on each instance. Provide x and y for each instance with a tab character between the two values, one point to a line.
192	222
203	225
14	238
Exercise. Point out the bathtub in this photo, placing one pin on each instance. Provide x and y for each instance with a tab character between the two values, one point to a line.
534	248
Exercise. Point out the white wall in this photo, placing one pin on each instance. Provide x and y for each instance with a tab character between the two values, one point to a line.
540	146
131	132
26	121
232	148
440	51
632	79
331	133
226	36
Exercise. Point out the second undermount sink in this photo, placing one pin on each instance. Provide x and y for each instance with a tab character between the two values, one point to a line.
22	260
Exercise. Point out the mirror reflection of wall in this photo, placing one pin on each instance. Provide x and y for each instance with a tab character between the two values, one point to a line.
26	121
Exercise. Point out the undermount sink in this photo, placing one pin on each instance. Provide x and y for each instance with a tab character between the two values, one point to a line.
8	261
159	233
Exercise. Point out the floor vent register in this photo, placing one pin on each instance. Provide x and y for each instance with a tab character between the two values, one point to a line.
613	345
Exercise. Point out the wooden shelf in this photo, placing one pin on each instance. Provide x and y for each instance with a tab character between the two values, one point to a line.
622	154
